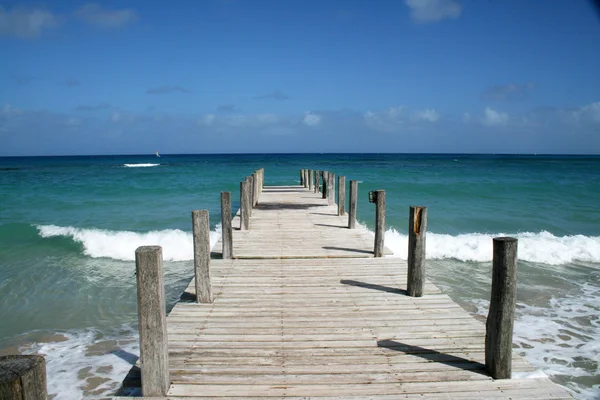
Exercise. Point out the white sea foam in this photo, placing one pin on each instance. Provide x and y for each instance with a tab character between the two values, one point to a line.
120	245
87	364
140	165
542	247
562	338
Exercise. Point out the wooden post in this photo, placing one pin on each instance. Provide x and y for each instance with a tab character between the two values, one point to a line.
250	183
352	204
417	228
262	179
379	222
317	181
201	229
226	231
301	177
254	189
310	179
152	321
325	176
501	316
244	205
341	195
23	377
331	189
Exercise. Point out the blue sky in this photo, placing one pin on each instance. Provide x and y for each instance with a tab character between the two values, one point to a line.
215	76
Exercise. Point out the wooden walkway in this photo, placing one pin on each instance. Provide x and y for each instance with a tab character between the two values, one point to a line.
304	311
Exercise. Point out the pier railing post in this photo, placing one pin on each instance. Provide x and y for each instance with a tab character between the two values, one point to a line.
152	319
23	377
201	229
501	316
331	189
244	212
417	229
317	181
255	189
352	204
310	179
379	222
250	183
341	195
306	178
325	179
226	230
301	177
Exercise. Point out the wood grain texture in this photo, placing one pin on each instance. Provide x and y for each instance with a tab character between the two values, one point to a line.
304	310
23	377
226	229
417	231
352	204
201	233
501	316
154	357
379	223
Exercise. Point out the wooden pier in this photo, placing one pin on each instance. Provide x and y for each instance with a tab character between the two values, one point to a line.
303	309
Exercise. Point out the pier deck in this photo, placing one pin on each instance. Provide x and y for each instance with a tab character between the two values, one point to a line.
304	311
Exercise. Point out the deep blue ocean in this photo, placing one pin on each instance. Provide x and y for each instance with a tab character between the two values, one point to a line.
69	227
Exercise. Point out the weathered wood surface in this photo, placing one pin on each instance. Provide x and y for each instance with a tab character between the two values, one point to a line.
299	327
294	222
154	357
23	377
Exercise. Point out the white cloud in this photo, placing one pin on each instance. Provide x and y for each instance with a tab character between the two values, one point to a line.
589	113
25	22
267	118
8	110
207	120
73	122
433	10
94	14
122	117
494	118
238	121
399	118
427	115
311	119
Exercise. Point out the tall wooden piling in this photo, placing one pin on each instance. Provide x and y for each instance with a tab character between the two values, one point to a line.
310	179
352	204
23	377
250	184
379	222
317	181
152	322
226	230
341	195
331	189
255	189
501	316
325	175
244	205
201	229
417	229
302	177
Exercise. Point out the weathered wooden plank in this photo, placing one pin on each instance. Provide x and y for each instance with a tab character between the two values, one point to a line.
303	310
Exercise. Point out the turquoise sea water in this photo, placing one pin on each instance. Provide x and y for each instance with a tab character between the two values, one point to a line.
69	227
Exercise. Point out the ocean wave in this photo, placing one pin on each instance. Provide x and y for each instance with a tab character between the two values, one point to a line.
560	337
177	245
86	363
140	165
542	247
